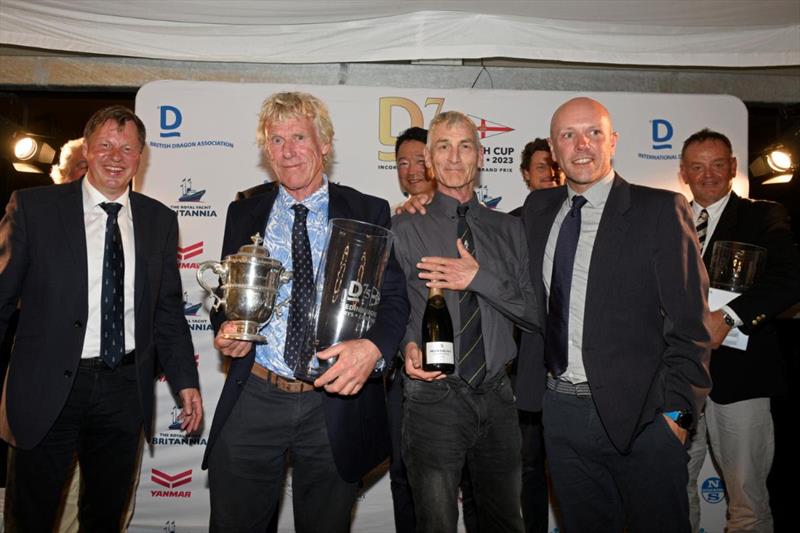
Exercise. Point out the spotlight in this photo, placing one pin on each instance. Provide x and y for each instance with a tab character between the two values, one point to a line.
783	178
31	151
25	148
775	165
779	160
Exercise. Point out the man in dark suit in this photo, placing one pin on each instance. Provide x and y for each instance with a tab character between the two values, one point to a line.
94	267
335	429
738	421
618	268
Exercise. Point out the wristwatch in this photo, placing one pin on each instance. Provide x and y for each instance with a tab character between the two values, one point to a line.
728	319
684	418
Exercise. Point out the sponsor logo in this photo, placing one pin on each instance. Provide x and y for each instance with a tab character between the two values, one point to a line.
170	120
487	199
188	194
396	114
190	202
661	132
187	252
405	112
170	481
173	436
195	315
190	309
713	490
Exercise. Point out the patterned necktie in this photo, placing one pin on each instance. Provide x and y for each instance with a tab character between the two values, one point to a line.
555	339
302	293
112	327
702	227
472	359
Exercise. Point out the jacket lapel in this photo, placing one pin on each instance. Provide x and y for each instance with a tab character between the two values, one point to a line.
337	204
608	246
70	213
141	235
725	228
541	222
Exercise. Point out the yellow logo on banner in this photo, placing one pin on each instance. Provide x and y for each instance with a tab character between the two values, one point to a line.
387	104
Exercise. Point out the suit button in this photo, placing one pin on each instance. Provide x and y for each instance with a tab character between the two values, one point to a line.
239	382
755	322
67	373
77	324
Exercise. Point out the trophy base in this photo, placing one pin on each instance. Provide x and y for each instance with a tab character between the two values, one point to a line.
246	330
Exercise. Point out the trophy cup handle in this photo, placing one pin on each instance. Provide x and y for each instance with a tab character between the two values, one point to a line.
220	270
285	277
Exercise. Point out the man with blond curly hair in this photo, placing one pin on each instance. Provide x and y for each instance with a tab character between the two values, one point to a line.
335	429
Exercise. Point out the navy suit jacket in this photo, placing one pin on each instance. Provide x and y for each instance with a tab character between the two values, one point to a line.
758	371
357	425
645	336
43	264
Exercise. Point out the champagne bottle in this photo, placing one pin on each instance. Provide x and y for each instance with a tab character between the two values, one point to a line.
437	335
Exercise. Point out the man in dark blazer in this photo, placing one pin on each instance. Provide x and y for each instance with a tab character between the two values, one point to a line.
67	391
335	429
738	421
625	343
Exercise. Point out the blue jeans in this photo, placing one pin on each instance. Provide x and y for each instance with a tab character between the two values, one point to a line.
447	424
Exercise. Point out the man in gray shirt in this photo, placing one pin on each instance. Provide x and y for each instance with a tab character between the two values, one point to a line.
479	257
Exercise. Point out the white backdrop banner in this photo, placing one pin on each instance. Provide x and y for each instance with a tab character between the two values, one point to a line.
201	150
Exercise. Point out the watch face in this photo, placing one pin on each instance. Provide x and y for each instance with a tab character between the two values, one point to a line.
685	419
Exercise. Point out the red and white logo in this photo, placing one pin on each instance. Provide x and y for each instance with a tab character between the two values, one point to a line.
190	251
171	482
487	128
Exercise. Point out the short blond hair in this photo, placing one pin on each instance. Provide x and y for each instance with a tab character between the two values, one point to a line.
69	155
287	105
450	119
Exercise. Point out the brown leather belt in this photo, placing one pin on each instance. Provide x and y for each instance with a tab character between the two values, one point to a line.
286	385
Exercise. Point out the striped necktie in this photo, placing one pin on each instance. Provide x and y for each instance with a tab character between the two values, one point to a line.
702	227
472	359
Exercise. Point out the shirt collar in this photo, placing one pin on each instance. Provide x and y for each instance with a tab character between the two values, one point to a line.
315	203
92	198
597	194
449	205
714	210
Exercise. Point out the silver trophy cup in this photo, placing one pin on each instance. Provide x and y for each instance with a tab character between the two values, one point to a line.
348	289
249	282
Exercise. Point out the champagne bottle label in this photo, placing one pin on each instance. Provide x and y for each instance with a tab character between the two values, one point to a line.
437	353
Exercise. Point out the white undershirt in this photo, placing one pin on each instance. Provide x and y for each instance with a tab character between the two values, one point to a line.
94	220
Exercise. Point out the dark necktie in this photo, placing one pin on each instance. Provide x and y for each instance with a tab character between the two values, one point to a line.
472	359
702	227
302	293
112	305
555	345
